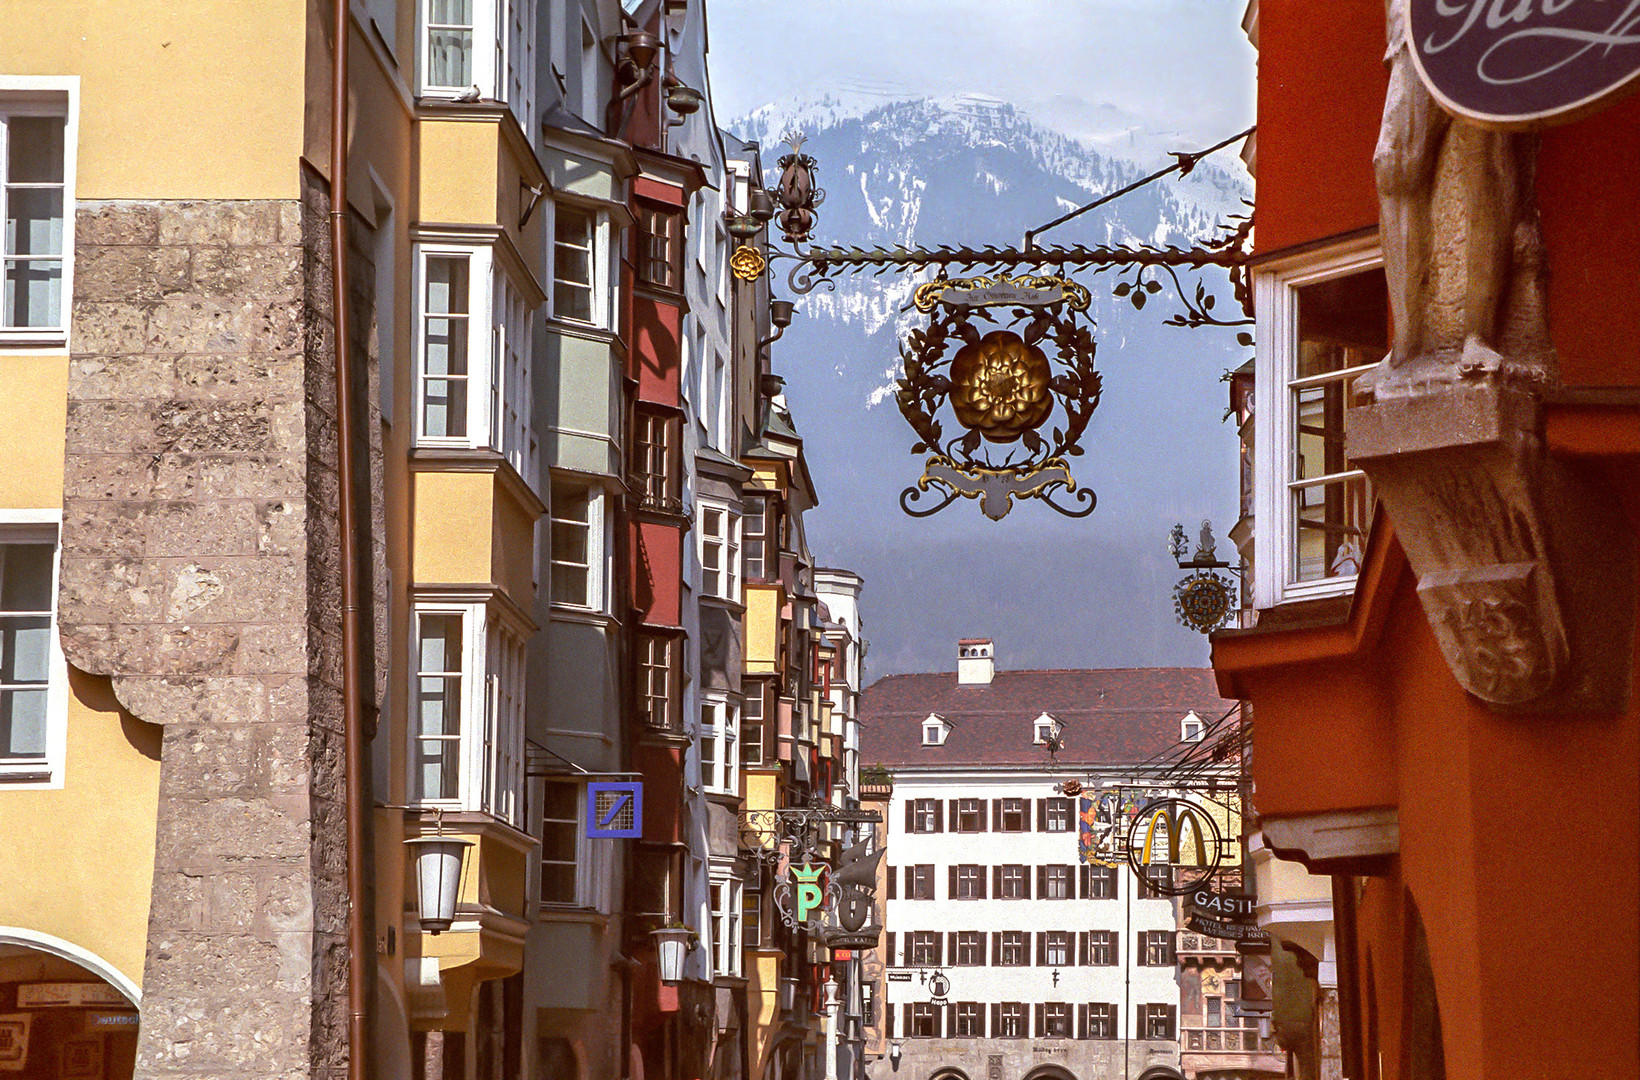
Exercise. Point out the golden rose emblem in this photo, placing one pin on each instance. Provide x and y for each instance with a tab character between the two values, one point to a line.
1001	386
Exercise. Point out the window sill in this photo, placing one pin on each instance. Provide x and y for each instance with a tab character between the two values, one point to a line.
33	339
586	616
27	777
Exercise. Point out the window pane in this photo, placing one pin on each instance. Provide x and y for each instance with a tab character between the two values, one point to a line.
23	723
1343	322
440	643
449	57
31	294
447	285
444	411
25	648
34	221
35	146
569	542
1332	521
25	577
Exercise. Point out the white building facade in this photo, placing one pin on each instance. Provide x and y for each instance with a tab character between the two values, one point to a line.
1004	956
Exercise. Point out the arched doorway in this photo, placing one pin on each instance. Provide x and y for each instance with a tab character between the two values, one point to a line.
948	1072
1161	1072
64	1014
1050	1072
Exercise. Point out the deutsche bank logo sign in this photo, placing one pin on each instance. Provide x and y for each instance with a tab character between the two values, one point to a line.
615	811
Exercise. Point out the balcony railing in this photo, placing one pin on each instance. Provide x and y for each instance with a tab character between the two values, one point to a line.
1225	1040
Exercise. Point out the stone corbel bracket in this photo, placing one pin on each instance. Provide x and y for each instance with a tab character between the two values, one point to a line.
1525	564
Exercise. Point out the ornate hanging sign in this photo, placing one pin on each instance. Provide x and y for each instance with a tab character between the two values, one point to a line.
1523	62
855	923
1001	388
1172	823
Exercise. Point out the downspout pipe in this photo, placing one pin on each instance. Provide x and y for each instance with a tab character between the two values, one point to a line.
358	943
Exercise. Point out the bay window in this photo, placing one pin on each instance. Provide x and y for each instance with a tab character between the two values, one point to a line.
719	551
488	44
754	735
467	739
37	137
575	871
762	564
719	760
577	516
464	397
33	675
1322	323
580	261
654	462
657	676
659	246
726	901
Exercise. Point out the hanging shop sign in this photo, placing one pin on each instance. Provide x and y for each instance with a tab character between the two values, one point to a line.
1180	836
998	389
1225	915
854	923
615	811
1516	63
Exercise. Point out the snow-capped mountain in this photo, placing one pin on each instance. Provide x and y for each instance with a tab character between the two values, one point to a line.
973	170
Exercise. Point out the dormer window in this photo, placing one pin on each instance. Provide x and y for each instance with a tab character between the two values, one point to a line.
934	731
1047	730
1191	728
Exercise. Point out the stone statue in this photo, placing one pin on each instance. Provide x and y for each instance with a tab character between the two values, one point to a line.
1459	231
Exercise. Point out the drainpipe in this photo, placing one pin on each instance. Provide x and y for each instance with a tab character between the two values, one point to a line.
358	944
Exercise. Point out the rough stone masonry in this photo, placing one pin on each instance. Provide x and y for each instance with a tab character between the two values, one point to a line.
199	573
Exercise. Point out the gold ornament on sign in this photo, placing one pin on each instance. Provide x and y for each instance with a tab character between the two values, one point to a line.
1000	386
748	263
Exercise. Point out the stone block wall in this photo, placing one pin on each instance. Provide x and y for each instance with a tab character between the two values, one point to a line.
199	573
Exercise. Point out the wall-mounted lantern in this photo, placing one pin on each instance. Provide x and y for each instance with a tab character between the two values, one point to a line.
438	878
671	944
895	1050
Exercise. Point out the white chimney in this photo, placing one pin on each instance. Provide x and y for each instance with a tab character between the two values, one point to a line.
975	666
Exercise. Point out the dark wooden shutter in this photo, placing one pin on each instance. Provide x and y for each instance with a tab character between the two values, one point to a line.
1037	1014
1082	881
939	951
1172	1021
996	947
1042	883
1042	815
1115	880
939	815
1082	948
951	807
893	882
979	950
1082	1021
1172	947
911	815
888	1020
996	1019
979	882
889	938
951	1020
1139	1022
1041	948
996	880
996	815
980	812
910	882
909	1029
1140	956
951	883
951	943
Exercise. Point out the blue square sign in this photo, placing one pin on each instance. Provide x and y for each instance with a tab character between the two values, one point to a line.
615	811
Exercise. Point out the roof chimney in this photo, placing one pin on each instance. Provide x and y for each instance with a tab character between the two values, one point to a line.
975	666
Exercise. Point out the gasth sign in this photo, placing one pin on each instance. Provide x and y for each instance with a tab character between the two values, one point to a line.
1228	916
1518	63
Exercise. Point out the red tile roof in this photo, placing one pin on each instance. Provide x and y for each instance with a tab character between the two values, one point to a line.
1113	715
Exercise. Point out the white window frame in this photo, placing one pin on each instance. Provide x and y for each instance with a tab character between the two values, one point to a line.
727	892
598	266
480	270
490	735
727	541
1192	728
502	54
512	395
934	730
1047	727
720	730
598	547
46	772
594	859
45	95
1275	307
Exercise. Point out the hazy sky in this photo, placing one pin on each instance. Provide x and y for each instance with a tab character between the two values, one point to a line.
1176	66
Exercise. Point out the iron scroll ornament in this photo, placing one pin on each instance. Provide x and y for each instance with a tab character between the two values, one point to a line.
1001	388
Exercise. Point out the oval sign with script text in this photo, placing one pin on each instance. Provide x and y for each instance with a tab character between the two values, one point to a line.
1518	63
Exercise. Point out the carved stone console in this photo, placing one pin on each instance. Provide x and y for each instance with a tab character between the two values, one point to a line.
1525	565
